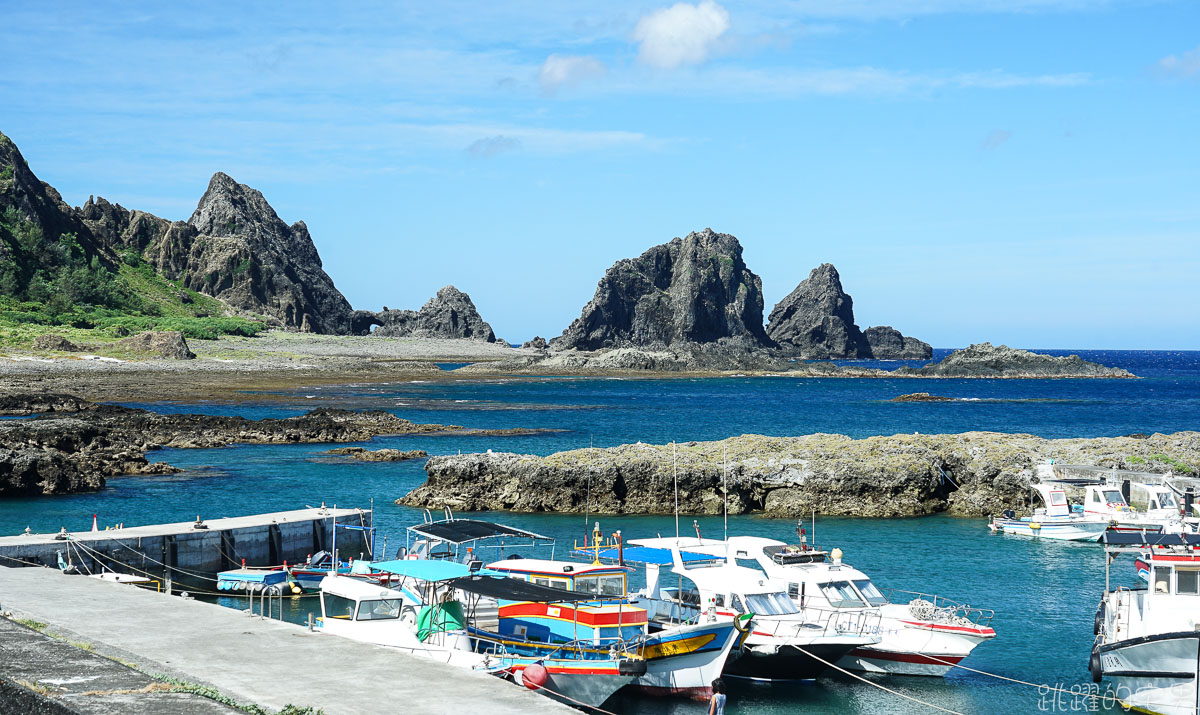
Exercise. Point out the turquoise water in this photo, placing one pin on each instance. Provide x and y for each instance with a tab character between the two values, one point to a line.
1044	594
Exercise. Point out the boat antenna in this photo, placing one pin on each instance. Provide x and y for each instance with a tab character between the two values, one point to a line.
725	485
587	509
814	528
675	469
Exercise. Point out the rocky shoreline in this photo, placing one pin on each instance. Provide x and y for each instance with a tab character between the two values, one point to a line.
970	474
73	445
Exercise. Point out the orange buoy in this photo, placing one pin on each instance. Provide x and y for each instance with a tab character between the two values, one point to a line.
534	676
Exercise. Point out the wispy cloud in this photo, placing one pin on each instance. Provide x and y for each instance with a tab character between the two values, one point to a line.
1184	64
560	71
995	138
680	34
488	147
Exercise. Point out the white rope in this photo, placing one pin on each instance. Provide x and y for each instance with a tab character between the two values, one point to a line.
877	685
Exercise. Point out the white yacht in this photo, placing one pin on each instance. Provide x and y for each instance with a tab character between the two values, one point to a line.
927	635
1149	508
1055	520
1148	640
782	641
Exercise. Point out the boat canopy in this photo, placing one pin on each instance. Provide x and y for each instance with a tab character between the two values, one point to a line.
643	555
429	570
511	589
1138	539
461	531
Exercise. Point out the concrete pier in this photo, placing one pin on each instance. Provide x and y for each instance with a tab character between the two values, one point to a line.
190	554
264	662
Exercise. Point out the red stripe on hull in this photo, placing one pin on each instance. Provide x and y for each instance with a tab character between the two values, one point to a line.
917	658
659	691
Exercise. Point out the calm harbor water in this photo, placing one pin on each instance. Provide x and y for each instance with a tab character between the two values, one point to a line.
1044	594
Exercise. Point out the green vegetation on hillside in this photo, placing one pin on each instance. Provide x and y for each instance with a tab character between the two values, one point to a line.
53	283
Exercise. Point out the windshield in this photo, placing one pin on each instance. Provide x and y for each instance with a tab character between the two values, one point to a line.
379	610
1166	500
871	592
841	594
770	604
1112	496
603	585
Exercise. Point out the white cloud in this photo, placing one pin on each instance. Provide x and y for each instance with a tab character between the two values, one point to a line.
568	71
1184	64
995	138
488	147
680	34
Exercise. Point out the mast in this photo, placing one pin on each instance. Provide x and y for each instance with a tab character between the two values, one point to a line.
725	485
675	469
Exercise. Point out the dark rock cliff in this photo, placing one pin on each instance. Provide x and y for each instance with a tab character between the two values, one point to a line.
695	289
449	314
816	322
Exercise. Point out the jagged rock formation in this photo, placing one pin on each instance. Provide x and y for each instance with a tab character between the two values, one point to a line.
168	344
816	322
695	289
449	314
894	476
538	343
987	360
886	343
234	247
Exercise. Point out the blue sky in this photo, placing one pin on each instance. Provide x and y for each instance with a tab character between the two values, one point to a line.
1020	171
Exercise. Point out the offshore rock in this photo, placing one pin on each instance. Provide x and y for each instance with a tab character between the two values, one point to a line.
363	454
695	289
987	360
449	314
969	474
886	343
816	320
726	355
921	397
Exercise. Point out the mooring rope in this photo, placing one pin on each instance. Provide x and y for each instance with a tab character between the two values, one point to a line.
877	685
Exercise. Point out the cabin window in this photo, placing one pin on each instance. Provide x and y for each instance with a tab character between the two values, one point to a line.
736	604
1162	579
1167	500
335	606
770	604
603	585
379	610
1096	497
841	594
793	590
1112	496
1186	582
871	592
1058	498
551	582
719	600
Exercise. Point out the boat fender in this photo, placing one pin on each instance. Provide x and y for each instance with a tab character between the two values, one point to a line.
239	586
632	667
295	588
1034	525
742	623
1100	613
534	676
1095	666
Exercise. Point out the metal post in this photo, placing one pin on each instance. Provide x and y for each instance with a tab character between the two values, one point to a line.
675	469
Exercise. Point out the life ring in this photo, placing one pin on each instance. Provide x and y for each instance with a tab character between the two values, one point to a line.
1095	666
742	623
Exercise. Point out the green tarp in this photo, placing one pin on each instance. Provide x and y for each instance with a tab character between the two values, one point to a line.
443	617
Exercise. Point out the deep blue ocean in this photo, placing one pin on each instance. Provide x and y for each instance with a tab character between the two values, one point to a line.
1044	593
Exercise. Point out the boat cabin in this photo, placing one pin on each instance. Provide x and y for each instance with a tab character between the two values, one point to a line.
1055	499
606	617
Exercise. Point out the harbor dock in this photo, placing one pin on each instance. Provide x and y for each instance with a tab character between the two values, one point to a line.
250	659
190	554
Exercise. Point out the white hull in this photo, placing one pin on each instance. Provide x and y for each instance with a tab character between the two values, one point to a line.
912	646
588	688
1156	674
1073	530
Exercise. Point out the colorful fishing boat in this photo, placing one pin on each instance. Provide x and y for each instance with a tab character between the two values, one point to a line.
1055	521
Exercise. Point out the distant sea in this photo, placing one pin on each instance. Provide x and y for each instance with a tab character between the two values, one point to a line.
1044	594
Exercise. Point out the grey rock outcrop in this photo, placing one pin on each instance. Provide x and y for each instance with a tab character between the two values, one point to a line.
816	322
449	314
538	343
987	360
884	476
886	343
168	344
695	289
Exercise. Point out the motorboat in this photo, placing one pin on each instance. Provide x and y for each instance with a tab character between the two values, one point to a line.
782	641
923	635
1056	520
1147	640
683	657
428	610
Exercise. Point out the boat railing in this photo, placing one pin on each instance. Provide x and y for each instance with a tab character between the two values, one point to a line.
820	622
1122	612
938	608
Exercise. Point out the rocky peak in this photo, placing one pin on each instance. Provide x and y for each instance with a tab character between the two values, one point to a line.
449	314
695	289
37	201
887	343
816	320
